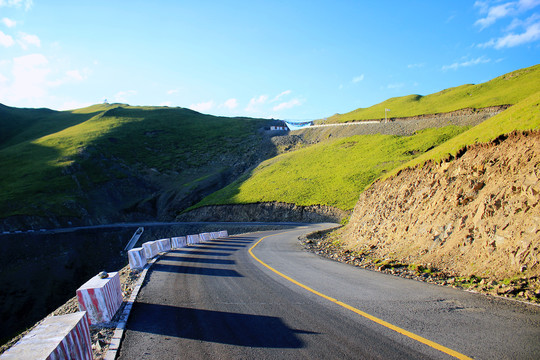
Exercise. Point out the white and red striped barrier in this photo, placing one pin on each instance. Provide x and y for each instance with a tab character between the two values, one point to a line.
58	337
205	237
100	298
178	242
223	234
137	259
164	245
151	249
193	239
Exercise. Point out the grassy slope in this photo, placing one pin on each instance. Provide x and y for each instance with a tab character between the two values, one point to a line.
506	89
45	169
523	116
329	173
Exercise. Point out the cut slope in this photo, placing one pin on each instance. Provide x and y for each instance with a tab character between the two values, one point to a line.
507	89
477	215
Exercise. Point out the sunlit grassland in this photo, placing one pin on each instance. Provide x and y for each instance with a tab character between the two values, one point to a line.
523	116
329	173
506	89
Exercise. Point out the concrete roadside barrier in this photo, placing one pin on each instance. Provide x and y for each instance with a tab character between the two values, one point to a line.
151	249
100	298
205	237
214	235
178	242
223	234
57	337
164	245
193	239
136	258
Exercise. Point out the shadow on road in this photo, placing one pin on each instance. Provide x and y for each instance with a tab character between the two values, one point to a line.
215	326
181	269
197	252
197	260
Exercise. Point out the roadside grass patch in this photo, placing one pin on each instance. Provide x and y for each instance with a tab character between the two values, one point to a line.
330	173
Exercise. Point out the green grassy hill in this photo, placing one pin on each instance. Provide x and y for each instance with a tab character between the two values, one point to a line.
525	115
329	173
335	172
112	160
507	89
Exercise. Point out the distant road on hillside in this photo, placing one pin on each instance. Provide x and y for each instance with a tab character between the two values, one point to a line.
153	223
215	300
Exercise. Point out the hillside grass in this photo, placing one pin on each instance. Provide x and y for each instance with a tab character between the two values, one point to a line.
507	89
521	117
46	170
329	173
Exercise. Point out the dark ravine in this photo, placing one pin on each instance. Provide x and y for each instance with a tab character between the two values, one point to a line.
268	212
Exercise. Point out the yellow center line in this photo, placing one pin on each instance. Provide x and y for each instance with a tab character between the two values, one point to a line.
386	324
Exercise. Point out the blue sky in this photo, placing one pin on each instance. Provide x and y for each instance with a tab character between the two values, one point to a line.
283	59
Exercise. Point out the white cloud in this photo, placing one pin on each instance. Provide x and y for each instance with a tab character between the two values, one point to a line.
28	39
17	3
8	22
256	102
75	75
531	34
231	104
122	96
287	105
172	91
203	106
357	79
69	76
395	86
29	78
282	94
496	12
414	66
466	63
6	40
3	79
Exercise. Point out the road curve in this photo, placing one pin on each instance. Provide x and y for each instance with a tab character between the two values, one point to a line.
215	300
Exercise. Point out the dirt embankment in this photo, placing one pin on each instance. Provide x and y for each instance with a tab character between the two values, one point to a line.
398	126
274	212
478	215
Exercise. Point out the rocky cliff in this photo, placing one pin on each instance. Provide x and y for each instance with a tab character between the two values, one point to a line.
476	215
267	212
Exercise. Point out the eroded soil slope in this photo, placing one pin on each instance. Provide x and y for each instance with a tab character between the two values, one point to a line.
476	215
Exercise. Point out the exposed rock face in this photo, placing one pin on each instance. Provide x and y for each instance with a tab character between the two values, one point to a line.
276	212
479	214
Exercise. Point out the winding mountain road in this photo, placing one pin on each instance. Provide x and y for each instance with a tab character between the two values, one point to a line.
260	296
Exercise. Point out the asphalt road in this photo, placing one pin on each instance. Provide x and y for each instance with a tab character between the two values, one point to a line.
216	301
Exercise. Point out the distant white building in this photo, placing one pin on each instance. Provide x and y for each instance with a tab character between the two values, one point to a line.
281	127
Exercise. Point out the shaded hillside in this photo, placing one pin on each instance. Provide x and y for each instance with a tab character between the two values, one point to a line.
507	89
117	162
